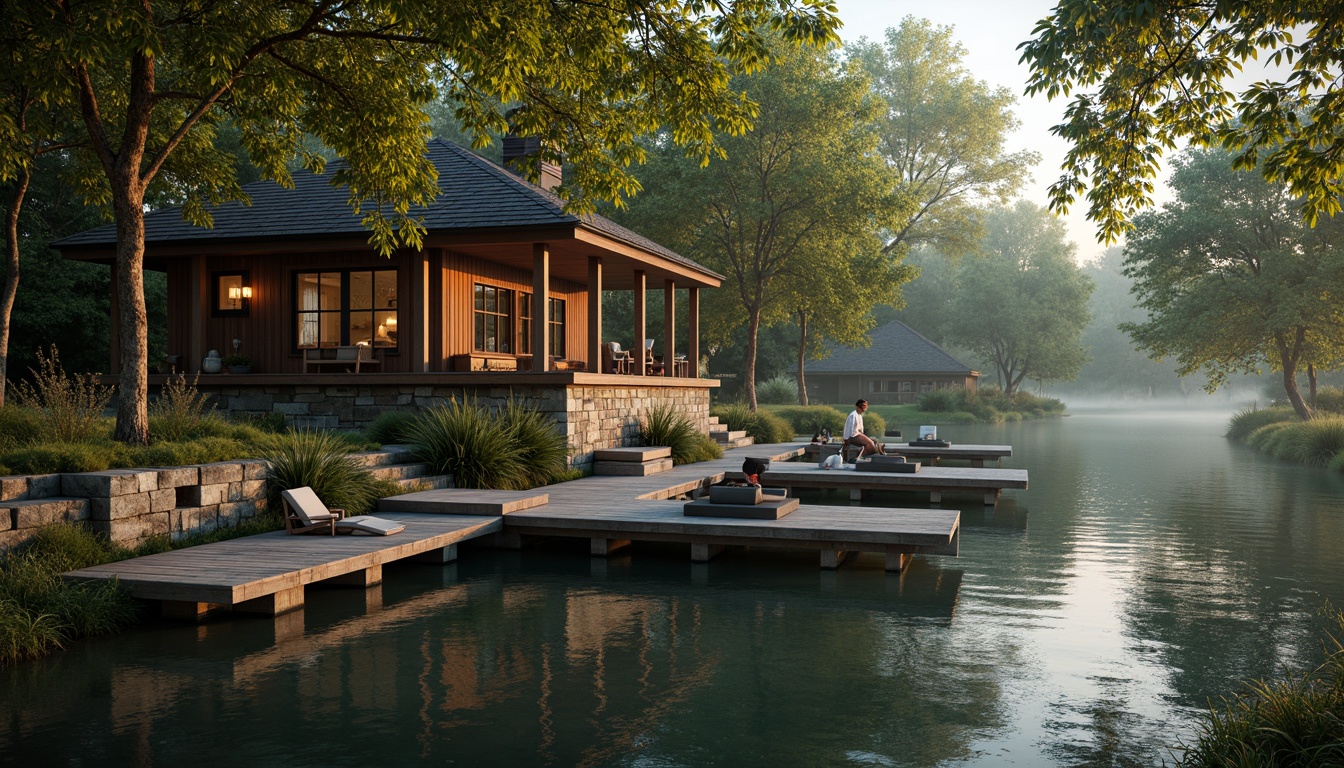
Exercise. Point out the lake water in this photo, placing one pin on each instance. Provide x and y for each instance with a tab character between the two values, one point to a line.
1151	566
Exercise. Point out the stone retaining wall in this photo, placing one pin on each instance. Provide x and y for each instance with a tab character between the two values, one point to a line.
592	417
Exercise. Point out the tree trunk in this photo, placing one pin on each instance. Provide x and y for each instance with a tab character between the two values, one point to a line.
1288	355
1311	384
11	275
802	347
753	327
133	387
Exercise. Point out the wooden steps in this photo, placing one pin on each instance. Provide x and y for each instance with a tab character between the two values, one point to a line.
632	461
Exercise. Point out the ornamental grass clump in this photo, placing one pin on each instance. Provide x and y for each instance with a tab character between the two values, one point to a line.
777	390
1314	443
515	449
322	461
663	425
1248	420
179	411
762	426
811	419
543	454
70	407
391	427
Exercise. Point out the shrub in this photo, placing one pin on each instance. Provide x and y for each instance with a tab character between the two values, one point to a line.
463	440
874	425
178	410
391	427
541	448
1330	399
271	422
1248	420
663	425
763	426
779	390
938	401
19	426
70	407
1269	437
1314	443
48	458
321	461
811	419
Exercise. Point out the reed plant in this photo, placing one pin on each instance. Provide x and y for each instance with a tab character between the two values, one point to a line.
1270	437
463	439
179	410
543	452
1296	721
70	407
1248	420
777	390
322	461
664	425
1315	442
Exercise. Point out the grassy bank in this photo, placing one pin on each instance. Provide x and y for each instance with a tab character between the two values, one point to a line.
950	406
1278	431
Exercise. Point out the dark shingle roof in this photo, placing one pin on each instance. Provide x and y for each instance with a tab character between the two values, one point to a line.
896	348
474	193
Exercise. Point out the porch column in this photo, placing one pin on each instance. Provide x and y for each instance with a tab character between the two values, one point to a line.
669	328
637	348
693	333
541	286
199	289
595	314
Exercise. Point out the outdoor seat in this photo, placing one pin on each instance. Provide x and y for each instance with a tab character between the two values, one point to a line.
305	513
615	359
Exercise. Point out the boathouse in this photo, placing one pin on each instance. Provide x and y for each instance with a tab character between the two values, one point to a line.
899	366
336	333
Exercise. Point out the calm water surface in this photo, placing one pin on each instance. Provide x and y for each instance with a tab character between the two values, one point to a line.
1151	566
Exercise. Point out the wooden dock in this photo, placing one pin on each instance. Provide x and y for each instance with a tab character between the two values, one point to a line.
934	481
977	455
267	573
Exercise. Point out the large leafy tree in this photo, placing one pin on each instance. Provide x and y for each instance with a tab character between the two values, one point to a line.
1145	77
151	81
1021	300
1232	279
803	189
943	134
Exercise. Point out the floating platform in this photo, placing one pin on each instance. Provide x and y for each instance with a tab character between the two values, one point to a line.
977	455
934	481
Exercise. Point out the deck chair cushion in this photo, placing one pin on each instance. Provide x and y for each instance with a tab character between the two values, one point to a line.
374	526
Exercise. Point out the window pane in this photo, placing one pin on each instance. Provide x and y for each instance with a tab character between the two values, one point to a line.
491	300
307	332
479	343
331	329
330	287
480	296
385	289
229	295
361	290
361	328
386	333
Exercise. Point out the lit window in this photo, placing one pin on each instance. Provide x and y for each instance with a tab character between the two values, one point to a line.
352	307
232	294
492	317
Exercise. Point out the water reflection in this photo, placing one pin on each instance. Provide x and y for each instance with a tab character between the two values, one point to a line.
1150	566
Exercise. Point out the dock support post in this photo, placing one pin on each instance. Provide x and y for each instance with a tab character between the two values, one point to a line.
703	553
364	577
991	498
185	610
273	604
832	558
896	561
605	547
512	540
935	497
437	556
855	494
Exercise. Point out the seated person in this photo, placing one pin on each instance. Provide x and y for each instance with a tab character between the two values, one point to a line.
854	432
752	469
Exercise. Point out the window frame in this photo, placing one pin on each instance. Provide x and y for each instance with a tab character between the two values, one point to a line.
244	309
345	310
510	315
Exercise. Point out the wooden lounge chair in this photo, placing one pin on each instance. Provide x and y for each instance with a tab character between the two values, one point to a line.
305	513
615	359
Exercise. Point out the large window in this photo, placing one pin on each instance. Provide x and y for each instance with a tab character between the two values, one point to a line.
555	325
346	307
525	323
492	317
233	294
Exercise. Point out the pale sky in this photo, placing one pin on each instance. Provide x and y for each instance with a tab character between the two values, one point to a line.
990	31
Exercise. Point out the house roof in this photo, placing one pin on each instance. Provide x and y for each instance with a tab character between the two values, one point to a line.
896	348
474	194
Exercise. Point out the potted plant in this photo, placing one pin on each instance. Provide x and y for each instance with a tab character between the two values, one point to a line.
238	363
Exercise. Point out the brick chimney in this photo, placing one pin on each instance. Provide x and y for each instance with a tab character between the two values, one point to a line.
518	147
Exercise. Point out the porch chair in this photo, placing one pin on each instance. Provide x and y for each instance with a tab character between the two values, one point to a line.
615	359
305	513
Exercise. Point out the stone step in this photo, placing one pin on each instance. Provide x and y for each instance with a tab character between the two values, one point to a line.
388	454
426	483
23	487
35	513
726	435
631	468
741	442
636	454
399	471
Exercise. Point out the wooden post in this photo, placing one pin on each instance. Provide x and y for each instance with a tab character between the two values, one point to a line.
693	333
669	328
541	287
832	558
637	353
595	314
438	356
199	289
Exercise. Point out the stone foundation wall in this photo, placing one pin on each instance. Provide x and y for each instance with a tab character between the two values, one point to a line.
592	417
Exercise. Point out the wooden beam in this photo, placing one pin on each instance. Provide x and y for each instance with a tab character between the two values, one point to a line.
199	288
669	327
595	314
637	352
541	288
693	333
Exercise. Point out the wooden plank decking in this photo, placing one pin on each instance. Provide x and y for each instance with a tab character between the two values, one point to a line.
932	480
977	455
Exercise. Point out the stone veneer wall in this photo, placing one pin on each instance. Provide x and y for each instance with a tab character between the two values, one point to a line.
593	417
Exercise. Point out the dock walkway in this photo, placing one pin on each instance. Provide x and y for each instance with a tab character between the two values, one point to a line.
934	481
267	573
977	455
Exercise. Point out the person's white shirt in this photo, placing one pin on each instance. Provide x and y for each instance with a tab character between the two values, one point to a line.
854	424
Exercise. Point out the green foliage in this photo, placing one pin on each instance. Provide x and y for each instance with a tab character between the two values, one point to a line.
19	426
39	612
1248	420
811	419
1232	280
778	390
321	461
761	425
1270	437
178	410
391	427
873	425
1330	400
938	401
1144	78
664	425
1021	303
271	421
517	449
272	521
1297	721
70	406
1314	443
943	133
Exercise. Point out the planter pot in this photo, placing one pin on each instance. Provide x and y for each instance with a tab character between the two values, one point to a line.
211	365
240	369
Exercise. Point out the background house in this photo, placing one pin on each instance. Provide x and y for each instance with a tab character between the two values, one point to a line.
900	365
